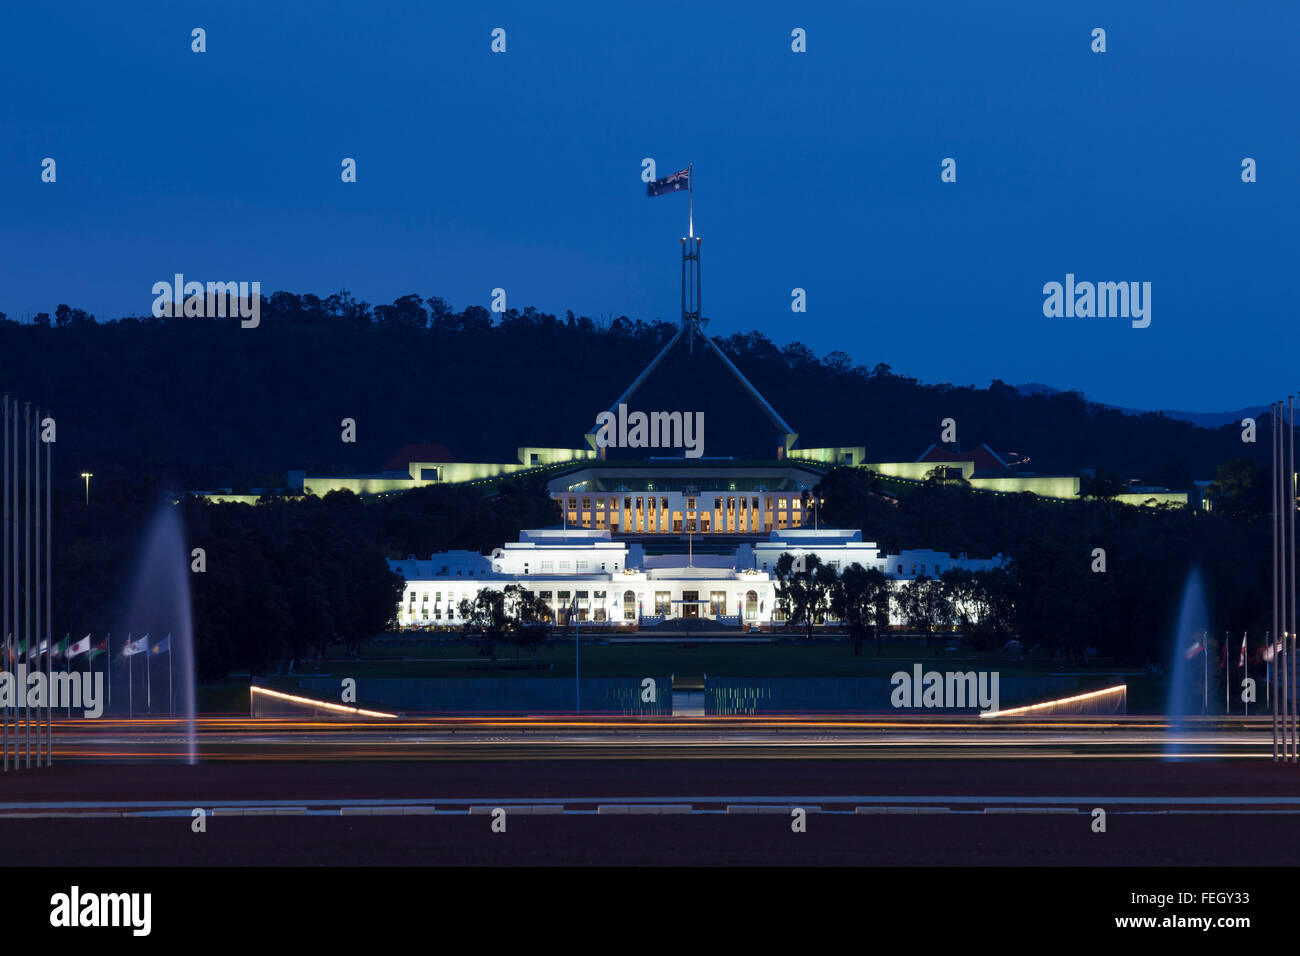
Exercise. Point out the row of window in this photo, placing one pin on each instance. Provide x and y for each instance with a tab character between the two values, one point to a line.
782	504
565	602
921	570
566	565
703	522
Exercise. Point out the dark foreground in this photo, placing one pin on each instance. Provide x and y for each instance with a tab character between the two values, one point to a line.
660	812
831	840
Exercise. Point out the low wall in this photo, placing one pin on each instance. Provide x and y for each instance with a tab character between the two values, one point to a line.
856	695
506	696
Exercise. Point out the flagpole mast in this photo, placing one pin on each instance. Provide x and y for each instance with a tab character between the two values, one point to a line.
4	570
130	679
27	567
15	636
36	575
18	616
49	624
690	268
690	191
11	579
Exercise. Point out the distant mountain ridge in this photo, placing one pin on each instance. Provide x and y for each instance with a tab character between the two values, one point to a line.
1203	419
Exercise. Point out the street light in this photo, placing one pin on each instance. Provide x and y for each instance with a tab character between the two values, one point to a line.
87	475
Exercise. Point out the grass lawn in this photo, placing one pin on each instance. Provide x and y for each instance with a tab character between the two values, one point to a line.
783	659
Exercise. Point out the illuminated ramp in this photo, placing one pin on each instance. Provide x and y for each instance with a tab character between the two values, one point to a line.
1108	701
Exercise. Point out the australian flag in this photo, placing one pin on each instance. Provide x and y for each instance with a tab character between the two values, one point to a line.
670	184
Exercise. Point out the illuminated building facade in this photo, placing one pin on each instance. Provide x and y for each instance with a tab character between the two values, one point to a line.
672	498
588	576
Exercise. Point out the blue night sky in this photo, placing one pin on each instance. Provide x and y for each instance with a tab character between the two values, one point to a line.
817	170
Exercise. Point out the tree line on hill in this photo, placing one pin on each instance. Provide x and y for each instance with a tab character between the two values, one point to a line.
198	403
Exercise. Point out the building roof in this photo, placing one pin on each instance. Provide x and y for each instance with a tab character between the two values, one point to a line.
409	453
984	457
692	374
794	475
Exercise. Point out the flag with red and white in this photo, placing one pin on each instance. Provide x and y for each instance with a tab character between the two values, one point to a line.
1194	650
80	647
136	647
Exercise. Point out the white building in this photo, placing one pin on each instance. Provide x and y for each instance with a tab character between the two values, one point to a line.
586	573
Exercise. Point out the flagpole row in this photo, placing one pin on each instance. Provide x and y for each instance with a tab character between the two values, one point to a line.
1281	650
1274	661
1245	661
1291	596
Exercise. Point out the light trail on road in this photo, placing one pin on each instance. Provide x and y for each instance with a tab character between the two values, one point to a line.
256	739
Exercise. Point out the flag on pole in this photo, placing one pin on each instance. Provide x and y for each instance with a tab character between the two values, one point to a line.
98	647
1272	650
161	647
136	647
44	648
677	182
79	648
1241	662
1197	648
